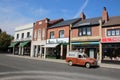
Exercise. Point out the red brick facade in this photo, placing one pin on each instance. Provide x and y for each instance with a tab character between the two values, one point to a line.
94	30
56	31
104	30
40	25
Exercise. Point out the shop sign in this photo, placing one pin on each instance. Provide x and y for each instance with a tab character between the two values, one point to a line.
112	39
58	40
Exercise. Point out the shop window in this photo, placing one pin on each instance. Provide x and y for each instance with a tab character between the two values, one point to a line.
61	34
85	31
52	35
111	52
113	32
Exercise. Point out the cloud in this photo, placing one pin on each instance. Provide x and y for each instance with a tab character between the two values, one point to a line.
81	9
39	12
10	19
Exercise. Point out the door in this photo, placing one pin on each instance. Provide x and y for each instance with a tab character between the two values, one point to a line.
91	53
80	60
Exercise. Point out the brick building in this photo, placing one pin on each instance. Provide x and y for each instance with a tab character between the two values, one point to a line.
58	38
40	36
99	37
110	38
86	35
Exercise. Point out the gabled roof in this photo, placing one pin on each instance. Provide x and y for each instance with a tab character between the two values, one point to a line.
115	20
64	23
89	21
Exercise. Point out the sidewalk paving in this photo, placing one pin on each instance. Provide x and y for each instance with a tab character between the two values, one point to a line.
105	65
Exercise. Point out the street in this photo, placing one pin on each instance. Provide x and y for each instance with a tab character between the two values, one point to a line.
14	68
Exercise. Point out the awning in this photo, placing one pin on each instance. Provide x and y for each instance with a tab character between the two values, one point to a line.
50	45
82	43
13	44
22	44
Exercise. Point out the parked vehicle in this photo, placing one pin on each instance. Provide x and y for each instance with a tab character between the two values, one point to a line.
77	58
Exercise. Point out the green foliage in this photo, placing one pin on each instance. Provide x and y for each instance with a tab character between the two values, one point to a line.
5	40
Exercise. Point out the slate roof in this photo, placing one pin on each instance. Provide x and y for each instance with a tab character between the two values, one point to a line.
115	20
89	21
64	23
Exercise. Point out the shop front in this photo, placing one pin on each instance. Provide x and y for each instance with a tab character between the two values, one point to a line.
90	48
111	50
14	47
57	48
24	48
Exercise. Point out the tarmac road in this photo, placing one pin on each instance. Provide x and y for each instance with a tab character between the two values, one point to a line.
15	68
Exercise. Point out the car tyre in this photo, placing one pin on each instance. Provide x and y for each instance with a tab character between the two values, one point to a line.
70	63
87	65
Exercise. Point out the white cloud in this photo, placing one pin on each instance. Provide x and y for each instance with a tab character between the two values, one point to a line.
81	8
39	12
10	18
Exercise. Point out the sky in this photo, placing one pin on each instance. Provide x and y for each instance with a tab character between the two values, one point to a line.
15	13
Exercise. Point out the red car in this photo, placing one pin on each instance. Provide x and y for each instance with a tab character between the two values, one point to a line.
77	58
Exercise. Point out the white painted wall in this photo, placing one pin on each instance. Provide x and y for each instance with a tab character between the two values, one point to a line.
24	29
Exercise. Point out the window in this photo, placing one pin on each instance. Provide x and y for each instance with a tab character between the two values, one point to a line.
109	33
17	36
22	35
113	32
39	33
28	34
61	34
117	32
52	35
35	34
84	31
43	33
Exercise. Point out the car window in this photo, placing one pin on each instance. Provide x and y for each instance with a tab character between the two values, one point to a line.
79	56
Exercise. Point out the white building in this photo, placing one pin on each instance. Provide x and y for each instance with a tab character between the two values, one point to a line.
22	39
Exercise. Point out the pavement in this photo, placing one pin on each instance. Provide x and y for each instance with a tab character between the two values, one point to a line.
105	65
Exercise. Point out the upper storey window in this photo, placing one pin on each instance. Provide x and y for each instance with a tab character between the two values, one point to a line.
113	32
84	31
61	34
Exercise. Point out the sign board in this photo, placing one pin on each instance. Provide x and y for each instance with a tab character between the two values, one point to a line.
58	40
110	39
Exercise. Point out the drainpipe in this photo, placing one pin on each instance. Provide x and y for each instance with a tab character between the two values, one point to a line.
100	44
70	48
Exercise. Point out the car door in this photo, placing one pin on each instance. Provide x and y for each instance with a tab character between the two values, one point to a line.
81	60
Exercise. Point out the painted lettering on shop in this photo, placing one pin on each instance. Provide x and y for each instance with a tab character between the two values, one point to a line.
64	40
113	39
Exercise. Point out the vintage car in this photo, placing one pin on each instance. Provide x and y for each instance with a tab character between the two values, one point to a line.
77	58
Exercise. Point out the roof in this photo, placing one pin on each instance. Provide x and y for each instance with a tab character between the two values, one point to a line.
55	21
89	21
64	23
115	20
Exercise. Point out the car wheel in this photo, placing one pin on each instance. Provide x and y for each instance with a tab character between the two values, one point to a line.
87	65
70	63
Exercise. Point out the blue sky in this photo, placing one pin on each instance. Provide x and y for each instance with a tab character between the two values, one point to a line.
15	13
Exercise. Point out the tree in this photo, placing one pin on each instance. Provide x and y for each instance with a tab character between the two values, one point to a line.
5	40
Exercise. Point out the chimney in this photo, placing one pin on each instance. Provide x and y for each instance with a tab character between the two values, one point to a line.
47	20
105	16
82	16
